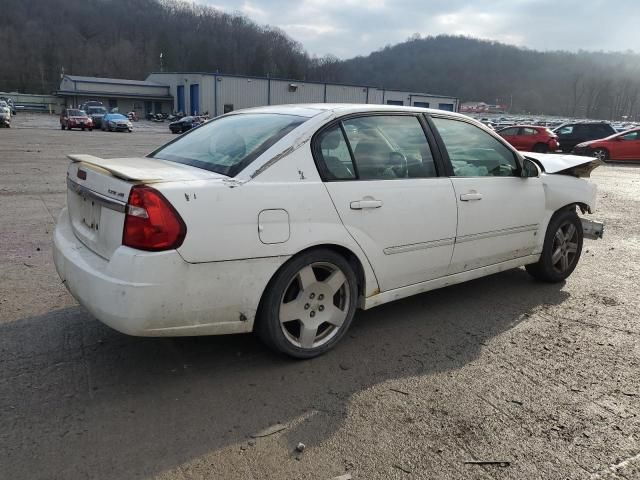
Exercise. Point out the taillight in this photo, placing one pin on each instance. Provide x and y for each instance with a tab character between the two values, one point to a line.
151	222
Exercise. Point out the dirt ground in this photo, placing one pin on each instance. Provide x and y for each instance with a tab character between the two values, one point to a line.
543	378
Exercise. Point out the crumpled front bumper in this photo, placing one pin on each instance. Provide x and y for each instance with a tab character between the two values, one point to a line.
591	229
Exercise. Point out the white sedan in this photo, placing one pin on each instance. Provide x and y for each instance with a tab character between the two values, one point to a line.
284	220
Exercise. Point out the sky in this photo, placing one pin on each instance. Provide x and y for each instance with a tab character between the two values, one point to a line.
347	28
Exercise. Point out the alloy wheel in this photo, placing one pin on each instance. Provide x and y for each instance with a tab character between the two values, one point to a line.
600	154
565	247
315	304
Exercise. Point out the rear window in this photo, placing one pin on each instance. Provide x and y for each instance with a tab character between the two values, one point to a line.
227	145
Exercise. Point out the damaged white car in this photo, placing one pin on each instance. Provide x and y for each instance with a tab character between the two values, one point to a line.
284	220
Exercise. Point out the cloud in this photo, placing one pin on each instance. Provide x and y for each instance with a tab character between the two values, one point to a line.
346	28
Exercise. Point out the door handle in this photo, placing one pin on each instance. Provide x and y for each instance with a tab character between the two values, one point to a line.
362	204
471	196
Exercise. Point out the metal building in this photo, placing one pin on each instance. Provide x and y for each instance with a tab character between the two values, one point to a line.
198	93
141	96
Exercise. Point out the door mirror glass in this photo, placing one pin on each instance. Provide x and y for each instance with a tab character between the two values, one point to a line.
529	169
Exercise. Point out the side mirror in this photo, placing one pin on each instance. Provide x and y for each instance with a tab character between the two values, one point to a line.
529	169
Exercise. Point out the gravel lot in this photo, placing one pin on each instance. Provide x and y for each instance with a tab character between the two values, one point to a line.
545	378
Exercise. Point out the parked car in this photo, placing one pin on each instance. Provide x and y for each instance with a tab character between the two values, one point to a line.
530	138
284	220
5	114
96	112
185	124
91	103
571	134
621	146
73	118
116	122
10	104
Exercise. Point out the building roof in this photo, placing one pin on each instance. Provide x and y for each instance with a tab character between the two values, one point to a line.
114	81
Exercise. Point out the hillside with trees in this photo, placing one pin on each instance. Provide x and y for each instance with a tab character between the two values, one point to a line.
112	38
589	84
124	39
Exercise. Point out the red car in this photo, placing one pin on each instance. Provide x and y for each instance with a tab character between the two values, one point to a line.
74	118
530	138
621	146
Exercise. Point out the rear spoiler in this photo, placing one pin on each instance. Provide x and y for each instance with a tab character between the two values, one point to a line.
120	167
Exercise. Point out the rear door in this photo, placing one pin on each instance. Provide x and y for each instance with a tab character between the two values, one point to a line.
499	212
383	180
529	138
511	135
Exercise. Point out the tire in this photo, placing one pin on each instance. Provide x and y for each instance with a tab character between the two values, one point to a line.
61	127
601	154
541	148
562	248
83	129
320	290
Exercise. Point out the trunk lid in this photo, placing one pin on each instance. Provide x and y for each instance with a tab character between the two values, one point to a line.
98	190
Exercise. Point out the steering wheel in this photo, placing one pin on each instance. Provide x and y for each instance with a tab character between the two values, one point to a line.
397	164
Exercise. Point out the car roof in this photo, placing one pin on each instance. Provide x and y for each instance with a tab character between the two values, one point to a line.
313	109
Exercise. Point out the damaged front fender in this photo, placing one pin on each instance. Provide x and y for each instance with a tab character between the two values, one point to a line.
574	165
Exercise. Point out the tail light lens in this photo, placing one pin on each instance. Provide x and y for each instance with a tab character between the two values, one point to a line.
151	222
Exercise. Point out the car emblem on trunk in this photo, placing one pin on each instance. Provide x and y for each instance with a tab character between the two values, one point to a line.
82	175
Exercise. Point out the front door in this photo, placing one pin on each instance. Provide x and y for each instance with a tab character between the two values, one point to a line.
499	212
627	147
384	184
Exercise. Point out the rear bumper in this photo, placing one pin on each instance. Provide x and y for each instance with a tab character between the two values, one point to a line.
158	293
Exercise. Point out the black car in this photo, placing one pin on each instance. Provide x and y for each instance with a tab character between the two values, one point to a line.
96	113
571	134
184	124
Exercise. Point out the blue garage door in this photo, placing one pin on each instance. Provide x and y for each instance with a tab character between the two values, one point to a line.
395	102
180	95
421	104
194	93
446	106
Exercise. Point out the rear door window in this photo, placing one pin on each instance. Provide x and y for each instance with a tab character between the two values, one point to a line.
510	132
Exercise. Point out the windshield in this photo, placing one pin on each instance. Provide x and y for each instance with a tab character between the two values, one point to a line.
76	113
97	110
229	144
116	116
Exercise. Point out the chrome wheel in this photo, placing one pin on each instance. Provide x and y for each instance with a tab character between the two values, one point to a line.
565	247
315	305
